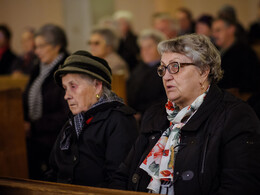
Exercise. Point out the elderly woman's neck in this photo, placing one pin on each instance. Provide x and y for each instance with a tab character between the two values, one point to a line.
182	105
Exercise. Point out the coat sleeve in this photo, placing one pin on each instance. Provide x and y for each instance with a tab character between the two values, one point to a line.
124	173
122	135
240	159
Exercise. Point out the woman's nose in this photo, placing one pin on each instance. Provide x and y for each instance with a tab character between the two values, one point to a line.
67	96
167	75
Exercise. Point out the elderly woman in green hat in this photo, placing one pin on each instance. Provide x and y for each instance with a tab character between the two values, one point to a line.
100	129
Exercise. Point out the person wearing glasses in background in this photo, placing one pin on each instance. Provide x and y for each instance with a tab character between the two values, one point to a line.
45	110
103	43
204	141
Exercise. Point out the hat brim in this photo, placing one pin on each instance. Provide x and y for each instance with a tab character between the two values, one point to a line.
66	70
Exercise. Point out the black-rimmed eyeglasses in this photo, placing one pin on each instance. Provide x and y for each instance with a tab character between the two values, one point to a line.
172	67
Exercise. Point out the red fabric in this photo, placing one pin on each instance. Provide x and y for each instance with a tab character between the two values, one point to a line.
2	51
89	120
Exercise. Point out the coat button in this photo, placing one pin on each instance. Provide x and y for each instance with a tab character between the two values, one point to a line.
153	137
135	178
74	158
187	175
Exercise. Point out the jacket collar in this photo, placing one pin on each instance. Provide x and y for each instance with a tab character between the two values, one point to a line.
211	101
100	112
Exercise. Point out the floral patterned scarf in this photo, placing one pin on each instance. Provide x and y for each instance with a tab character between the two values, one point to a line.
159	163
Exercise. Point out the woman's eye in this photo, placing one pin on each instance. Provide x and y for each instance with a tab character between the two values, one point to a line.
73	86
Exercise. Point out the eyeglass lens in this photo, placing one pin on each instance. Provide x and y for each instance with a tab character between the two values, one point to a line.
93	42
172	68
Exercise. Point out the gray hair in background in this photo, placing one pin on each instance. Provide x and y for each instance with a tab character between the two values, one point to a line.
166	17
109	35
124	14
53	35
155	35
199	49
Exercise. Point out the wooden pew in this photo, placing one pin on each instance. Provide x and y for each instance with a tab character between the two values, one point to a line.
13	159
119	86
8	82
13	186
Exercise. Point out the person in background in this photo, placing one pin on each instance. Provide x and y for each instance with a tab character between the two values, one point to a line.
204	140
128	48
45	110
28	59
254	33
185	20
238	60
7	58
164	23
144	87
203	25
229	13
103	43
101	128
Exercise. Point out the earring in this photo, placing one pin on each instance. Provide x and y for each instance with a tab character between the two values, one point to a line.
98	97
201	86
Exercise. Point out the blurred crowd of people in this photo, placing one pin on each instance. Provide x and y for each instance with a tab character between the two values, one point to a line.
134	56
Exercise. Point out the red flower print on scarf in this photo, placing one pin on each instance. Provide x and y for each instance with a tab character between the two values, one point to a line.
166	173
169	106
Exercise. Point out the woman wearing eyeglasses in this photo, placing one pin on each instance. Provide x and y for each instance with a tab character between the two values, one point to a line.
104	43
45	110
204	141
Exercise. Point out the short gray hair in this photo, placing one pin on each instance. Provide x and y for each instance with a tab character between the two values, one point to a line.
105	90
155	35
109	35
199	49
53	35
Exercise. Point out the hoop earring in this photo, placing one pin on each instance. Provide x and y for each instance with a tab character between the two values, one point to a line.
98	97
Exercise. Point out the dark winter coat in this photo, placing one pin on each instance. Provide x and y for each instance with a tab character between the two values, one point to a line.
241	68
128	49
7	62
91	159
55	110
45	130
218	154
144	87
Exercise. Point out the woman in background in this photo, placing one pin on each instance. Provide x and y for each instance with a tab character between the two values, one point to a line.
144	87
45	109
103	44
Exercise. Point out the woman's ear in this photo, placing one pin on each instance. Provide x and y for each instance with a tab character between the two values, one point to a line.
98	85
204	74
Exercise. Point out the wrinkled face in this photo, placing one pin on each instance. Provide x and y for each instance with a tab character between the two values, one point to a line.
98	46
45	51
27	41
149	51
220	33
183	87
80	92
203	29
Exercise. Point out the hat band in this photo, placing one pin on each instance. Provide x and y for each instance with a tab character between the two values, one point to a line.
89	67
